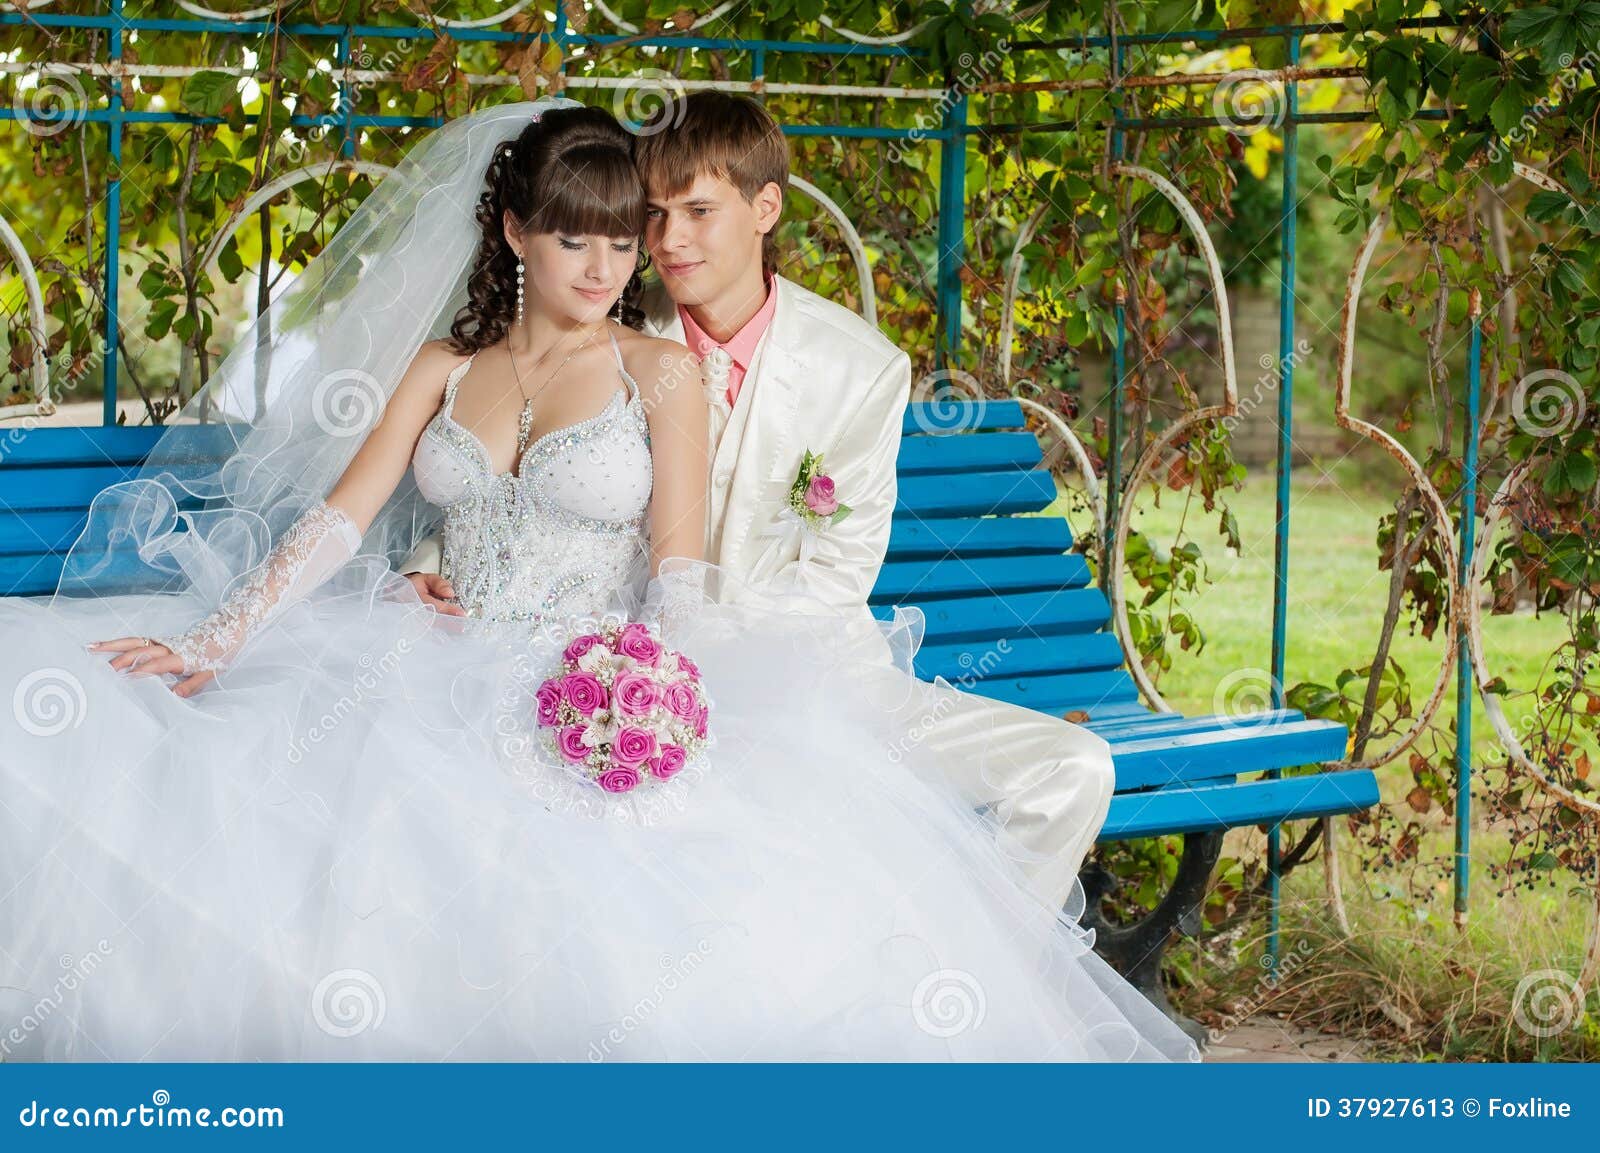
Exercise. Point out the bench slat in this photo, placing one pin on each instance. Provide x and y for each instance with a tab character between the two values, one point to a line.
980	452
1027	656
1062	692
1172	724
920	580
976	494
955	415
990	618
103	444
1218	807
1225	752
913	538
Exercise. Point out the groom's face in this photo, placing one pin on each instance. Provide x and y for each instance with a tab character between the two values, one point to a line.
706	240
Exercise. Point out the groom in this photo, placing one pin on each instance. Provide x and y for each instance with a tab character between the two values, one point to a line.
788	372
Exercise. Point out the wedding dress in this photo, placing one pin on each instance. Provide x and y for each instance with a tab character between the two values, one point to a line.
354	845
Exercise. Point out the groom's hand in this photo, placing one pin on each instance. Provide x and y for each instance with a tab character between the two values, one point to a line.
437	592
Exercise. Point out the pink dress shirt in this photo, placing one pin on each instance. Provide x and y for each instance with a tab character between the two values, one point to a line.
741	346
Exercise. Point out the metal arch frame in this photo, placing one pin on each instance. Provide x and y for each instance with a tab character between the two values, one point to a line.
1158	449
275	188
1439	522
38	363
852	238
1052	419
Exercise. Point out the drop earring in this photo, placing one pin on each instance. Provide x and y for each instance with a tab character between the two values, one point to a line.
519	289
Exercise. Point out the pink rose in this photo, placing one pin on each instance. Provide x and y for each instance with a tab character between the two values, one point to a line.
688	666
634	640
681	700
668	761
570	742
620	779
819	496
633	746
701	717
635	694
579	646
549	698
585	692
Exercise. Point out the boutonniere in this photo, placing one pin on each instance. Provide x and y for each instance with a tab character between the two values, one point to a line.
715	366
812	494
813	506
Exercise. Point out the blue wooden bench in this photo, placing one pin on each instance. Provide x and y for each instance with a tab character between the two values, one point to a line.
979	573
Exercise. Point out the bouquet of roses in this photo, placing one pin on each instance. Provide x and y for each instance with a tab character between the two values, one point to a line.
624	708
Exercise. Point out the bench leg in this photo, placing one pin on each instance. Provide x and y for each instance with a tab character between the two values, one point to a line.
1135	949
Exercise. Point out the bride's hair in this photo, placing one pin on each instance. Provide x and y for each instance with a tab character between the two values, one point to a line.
569	171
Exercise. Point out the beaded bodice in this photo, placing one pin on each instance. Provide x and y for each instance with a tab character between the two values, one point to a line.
556	537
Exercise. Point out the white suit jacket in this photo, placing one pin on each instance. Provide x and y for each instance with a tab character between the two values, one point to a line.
822	380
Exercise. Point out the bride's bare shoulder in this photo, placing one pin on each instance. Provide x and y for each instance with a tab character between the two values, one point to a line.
434	361
658	364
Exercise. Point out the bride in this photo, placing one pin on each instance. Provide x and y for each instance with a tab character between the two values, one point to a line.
319	821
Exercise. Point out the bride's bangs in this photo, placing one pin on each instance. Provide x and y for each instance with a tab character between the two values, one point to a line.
590	192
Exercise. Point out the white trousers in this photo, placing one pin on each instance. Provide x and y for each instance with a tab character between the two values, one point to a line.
1049	781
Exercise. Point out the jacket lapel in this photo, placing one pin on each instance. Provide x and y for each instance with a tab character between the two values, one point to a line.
753	445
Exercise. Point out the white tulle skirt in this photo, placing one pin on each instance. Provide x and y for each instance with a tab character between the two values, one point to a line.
340	851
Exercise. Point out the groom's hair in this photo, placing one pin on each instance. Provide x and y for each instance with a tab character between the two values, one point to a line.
721	133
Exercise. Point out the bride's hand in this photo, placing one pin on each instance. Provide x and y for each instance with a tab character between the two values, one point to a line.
142	657
437	592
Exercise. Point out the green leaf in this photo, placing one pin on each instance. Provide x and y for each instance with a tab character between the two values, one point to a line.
1508	108
228	260
209	93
